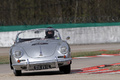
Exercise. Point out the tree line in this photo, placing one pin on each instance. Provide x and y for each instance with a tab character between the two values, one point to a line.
34	12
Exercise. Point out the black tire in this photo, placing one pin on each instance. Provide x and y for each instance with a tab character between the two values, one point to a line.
11	64
66	69
17	72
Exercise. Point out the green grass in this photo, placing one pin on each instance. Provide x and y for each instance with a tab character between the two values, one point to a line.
5	59
116	67
93	53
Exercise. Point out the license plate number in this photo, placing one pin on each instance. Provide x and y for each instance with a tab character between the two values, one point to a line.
39	67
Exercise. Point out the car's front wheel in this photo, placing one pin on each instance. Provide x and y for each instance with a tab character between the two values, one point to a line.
66	69
11	64
17	72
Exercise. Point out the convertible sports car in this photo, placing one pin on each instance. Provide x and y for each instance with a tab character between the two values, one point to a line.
39	49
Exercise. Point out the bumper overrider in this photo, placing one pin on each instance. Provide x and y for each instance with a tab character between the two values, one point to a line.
39	65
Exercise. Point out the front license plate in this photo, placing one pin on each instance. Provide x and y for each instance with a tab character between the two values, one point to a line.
39	67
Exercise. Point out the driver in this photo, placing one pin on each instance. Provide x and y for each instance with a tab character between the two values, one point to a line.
49	34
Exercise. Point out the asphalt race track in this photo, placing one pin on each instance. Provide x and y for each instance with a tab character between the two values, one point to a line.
77	65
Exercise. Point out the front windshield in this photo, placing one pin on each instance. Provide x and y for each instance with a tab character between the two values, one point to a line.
37	34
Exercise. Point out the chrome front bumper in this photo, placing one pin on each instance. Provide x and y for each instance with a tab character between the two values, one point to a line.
31	65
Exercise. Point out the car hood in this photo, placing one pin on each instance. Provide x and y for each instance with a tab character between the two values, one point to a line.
40	48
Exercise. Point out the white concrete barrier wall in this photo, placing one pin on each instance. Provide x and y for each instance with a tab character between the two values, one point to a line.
83	35
88	35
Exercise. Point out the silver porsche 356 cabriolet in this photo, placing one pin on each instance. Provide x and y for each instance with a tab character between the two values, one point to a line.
39	49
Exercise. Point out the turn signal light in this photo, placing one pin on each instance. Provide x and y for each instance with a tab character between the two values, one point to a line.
64	56
18	61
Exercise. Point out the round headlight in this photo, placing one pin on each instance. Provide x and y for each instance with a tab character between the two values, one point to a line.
18	54
64	50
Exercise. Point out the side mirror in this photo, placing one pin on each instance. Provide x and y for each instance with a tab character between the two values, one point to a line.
68	38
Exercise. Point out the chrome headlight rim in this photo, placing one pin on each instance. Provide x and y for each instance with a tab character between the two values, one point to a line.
64	50
18	54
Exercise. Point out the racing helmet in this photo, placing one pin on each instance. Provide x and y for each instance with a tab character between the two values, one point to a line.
49	34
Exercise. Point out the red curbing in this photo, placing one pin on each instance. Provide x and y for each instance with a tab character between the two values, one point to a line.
90	68
101	66
111	71
115	64
111	54
101	69
102	55
95	71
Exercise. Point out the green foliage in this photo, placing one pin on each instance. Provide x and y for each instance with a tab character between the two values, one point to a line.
30	12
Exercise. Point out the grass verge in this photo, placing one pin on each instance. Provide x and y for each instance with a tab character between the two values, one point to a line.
5	59
93	53
116	67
